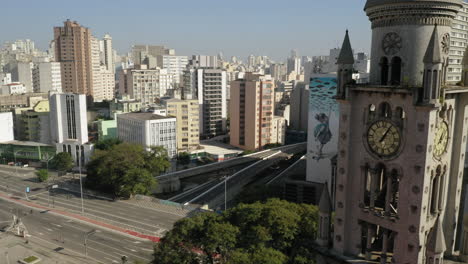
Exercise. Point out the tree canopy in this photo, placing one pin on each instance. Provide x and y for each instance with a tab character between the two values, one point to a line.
42	175
108	143
63	161
274	232
126	169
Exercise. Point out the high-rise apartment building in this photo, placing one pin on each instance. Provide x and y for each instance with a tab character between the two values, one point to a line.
73	51
175	65
108	53
148	130
107	84
47	77
458	40
145	85
251	111
186	113
209	86
69	127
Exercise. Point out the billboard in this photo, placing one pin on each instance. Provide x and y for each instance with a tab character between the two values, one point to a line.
323	125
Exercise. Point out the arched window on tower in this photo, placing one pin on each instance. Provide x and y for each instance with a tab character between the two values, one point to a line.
371	113
384	71
435	83
396	71
385	110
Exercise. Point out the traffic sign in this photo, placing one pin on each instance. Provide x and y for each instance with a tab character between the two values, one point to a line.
27	189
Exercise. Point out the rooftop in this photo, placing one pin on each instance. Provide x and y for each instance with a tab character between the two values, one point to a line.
143	116
25	143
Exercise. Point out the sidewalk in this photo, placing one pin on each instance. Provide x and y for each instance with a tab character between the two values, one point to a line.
13	249
84	219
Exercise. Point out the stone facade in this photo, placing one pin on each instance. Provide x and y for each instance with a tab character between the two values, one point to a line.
402	139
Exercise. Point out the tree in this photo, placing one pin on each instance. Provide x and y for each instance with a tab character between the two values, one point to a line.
183	157
126	169
108	143
63	161
275	232
42	175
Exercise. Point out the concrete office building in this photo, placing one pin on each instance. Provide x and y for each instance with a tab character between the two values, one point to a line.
299	111
21	72
145	85
6	129
148	130
186	113
47	77
251	111
69	126
36	123
73	51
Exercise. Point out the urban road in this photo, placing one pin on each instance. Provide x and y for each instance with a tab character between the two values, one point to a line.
62	233
107	246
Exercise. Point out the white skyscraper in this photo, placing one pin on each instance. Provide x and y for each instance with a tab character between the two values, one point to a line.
68	124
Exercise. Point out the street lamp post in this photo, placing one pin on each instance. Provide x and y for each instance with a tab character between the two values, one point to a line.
81	181
87	234
16	167
225	192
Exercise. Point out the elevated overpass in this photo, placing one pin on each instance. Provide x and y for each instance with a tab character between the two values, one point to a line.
171	182
226	190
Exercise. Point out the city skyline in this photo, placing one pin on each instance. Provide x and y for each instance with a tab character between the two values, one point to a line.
270	29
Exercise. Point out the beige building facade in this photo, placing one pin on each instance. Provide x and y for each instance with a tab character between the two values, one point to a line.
186	113
251	111
73	50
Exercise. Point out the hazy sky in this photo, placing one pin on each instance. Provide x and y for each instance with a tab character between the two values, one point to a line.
236	27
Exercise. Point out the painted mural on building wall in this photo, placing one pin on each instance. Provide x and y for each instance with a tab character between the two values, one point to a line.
323	129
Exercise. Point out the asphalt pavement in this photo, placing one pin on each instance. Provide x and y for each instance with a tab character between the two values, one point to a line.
154	220
68	235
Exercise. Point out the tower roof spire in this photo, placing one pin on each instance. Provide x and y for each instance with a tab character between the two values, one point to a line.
436	243
325	202
433	54
346	54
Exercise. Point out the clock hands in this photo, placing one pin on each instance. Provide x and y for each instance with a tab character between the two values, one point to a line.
384	135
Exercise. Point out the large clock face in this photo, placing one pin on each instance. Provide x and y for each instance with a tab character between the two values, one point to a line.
384	138
391	43
441	139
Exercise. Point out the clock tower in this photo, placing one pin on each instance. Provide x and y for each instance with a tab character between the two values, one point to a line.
402	139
